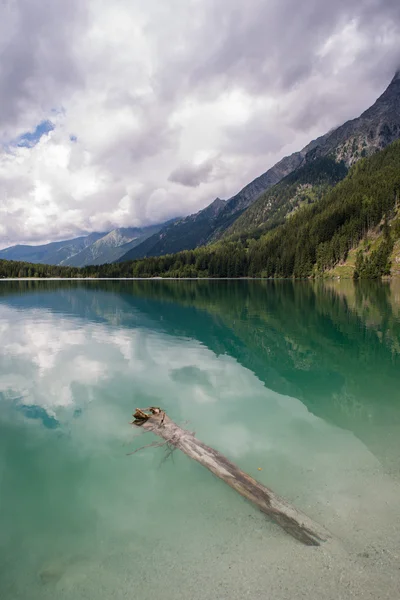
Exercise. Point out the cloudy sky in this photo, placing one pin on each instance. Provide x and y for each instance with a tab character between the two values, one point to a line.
130	112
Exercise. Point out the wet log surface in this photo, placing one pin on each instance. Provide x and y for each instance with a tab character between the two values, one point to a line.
292	520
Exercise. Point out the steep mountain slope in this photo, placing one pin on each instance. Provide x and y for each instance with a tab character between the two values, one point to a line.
96	248
312	240
208	224
179	235
111	246
373	130
51	254
377	254
305	185
377	127
358	220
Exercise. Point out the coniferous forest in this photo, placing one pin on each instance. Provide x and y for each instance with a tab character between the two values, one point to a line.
311	240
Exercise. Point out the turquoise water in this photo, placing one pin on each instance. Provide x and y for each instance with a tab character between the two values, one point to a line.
299	380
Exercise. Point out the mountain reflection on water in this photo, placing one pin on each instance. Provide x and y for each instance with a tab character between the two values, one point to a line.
298	379
334	346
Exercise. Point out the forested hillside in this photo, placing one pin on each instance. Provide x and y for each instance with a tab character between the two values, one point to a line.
311	241
304	186
372	131
360	212
17	268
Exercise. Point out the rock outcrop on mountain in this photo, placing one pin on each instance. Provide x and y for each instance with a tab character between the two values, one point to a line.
181	234
210	222
264	203
93	249
111	246
377	127
54	253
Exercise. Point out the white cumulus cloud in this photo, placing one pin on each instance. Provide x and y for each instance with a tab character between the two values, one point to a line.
158	108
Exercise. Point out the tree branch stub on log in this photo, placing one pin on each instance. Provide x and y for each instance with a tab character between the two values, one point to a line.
292	520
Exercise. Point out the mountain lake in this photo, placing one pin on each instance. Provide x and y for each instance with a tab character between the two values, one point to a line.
298	383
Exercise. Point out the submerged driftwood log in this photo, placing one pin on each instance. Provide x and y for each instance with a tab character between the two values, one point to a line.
287	516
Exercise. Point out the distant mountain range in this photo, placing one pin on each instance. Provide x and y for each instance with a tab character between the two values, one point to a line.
93	249
253	205
210	223
111	246
298	179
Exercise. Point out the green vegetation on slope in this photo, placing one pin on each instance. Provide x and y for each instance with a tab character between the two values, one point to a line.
361	137
302	187
17	268
319	236
313	240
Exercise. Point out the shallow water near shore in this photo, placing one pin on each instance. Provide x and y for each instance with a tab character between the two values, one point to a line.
297	383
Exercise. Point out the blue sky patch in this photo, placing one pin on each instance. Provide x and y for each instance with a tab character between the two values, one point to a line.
31	138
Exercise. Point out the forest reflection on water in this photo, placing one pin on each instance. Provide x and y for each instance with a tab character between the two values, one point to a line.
299	378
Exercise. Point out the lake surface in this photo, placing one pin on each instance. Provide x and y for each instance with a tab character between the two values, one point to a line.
299	380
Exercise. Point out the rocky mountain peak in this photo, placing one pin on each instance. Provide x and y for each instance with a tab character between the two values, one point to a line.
212	210
218	204
396	76
377	127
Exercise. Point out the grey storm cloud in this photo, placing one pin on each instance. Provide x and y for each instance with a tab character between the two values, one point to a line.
148	88
273	45
37	58
192	175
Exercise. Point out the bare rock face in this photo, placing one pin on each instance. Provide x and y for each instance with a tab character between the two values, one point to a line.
111	246
373	130
93	249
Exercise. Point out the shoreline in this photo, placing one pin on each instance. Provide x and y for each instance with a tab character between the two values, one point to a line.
386	279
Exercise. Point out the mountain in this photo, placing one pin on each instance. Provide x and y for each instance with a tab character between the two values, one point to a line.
179	235
52	254
353	230
111	246
307	184
373	130
354	224
210	222
96	248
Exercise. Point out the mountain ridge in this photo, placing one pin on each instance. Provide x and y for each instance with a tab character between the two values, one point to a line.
262	203
376	128
373	130
52	253
232	208
111	246
360	213
94	248
352	230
